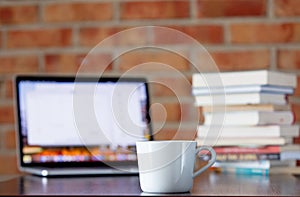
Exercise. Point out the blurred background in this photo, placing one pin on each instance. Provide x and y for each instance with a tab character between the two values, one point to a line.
54	36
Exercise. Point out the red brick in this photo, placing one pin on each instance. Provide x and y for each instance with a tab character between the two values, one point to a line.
8	164
154	9
235	60
93	36
296	110
286	7
169	112
152	61
18	14
115	35
206	34
69	12
168	134
18	64
170	86
39	38
201	115
230	8
265	33
297	90
6	114
2	88
9	89
288	59
70	63
297	141
179	112
10	140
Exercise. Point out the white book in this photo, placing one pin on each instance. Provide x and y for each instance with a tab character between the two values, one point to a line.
243	89
244	142
241	99
264	164
248	118
258	77
250	107
249	131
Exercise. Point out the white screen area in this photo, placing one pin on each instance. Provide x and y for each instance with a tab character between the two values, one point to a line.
116	117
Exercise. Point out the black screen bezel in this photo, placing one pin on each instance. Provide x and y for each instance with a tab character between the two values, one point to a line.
55	78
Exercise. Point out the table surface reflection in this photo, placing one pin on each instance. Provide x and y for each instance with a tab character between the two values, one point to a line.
206	184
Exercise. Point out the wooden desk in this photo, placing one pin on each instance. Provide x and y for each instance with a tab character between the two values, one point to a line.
205	184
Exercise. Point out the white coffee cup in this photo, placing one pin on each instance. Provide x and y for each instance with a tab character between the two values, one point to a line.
168	166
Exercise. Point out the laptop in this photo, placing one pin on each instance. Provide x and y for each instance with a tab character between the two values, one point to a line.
80	125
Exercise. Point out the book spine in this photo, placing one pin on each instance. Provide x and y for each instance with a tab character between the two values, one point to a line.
248	156
265	131
235	108
263	77
246	171
239	150
236	89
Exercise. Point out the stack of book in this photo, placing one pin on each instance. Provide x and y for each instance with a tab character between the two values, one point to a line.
248	119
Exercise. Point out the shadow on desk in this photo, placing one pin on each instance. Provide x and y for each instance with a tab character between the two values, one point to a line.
206	184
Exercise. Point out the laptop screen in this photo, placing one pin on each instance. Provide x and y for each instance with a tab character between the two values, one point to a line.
83	121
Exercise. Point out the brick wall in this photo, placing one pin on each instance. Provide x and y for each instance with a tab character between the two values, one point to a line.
54	36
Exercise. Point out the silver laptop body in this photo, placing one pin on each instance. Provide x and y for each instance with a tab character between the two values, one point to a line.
69	125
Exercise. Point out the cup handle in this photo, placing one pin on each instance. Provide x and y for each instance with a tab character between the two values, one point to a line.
210	162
